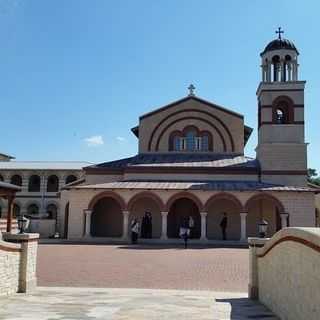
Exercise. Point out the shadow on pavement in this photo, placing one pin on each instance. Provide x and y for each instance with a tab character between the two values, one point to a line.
245	308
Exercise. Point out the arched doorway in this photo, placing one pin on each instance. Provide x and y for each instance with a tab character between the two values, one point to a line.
143	203
266	207
216	207
107	218
52	211
33	210
179	213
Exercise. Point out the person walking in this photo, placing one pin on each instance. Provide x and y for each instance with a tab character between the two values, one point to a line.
223	225
134	231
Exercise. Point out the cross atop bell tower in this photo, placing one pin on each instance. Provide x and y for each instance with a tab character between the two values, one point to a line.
279	31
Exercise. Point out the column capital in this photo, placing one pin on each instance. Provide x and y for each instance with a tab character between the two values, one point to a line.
204	213
243	214
126	212
87	211
284	214
164	213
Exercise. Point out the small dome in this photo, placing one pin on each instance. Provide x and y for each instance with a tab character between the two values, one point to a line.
279	44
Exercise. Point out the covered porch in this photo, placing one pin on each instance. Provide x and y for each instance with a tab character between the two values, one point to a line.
113	206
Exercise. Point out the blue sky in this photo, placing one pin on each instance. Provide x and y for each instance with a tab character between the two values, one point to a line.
73	70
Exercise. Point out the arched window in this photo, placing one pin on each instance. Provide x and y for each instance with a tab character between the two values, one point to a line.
53	184
34	183
276	68
70	178
33	210
205	142
16	179
190	140
1	178
288	68
283	110
52	211
176	143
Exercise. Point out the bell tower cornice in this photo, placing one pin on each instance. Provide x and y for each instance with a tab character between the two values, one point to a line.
280	86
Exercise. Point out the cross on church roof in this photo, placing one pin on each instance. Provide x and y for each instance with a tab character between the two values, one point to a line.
279	31
191	88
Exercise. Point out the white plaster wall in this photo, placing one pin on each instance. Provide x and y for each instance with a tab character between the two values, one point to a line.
288	276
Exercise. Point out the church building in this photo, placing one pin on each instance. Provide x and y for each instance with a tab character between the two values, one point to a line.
191	163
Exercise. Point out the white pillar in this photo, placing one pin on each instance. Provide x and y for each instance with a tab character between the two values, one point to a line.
243	216
125	224
164	225
284	220
87	214
203	225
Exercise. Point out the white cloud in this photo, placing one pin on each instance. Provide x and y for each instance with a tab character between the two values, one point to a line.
94	141
121	139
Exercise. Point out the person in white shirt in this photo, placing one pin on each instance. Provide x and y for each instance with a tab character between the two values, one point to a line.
134	231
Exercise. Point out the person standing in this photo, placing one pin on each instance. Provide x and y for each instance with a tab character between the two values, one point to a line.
144	226
134	231
191	226
149	224
223	225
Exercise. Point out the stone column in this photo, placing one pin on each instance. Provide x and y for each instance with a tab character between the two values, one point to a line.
125	232
284	220
87	220
203	225
243	216
28	259
253	286
164	225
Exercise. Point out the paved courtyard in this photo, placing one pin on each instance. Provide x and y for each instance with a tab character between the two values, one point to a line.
130	304
149	267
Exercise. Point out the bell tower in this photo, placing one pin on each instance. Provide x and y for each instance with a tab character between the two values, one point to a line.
281	150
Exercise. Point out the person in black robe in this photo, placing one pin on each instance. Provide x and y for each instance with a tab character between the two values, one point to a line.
149	225
144	226
223	225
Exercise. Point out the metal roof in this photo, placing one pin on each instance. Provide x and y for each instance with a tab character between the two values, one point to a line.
7	156
182	160
9	186
222	185
43	165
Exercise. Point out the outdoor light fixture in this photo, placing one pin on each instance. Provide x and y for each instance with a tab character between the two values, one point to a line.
262	228
22	223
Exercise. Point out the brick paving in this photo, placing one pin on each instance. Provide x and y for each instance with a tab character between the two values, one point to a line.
149	267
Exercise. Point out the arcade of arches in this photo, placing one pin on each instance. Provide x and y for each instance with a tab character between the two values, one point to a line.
109	216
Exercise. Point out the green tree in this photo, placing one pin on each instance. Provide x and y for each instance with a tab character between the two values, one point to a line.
313	176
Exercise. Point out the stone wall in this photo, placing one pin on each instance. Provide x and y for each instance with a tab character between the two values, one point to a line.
284	273
18	263
9	267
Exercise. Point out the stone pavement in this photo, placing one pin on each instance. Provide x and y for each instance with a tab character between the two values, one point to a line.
143	266
134	304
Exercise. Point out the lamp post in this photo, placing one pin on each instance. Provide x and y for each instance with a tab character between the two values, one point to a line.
22	223
262	228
